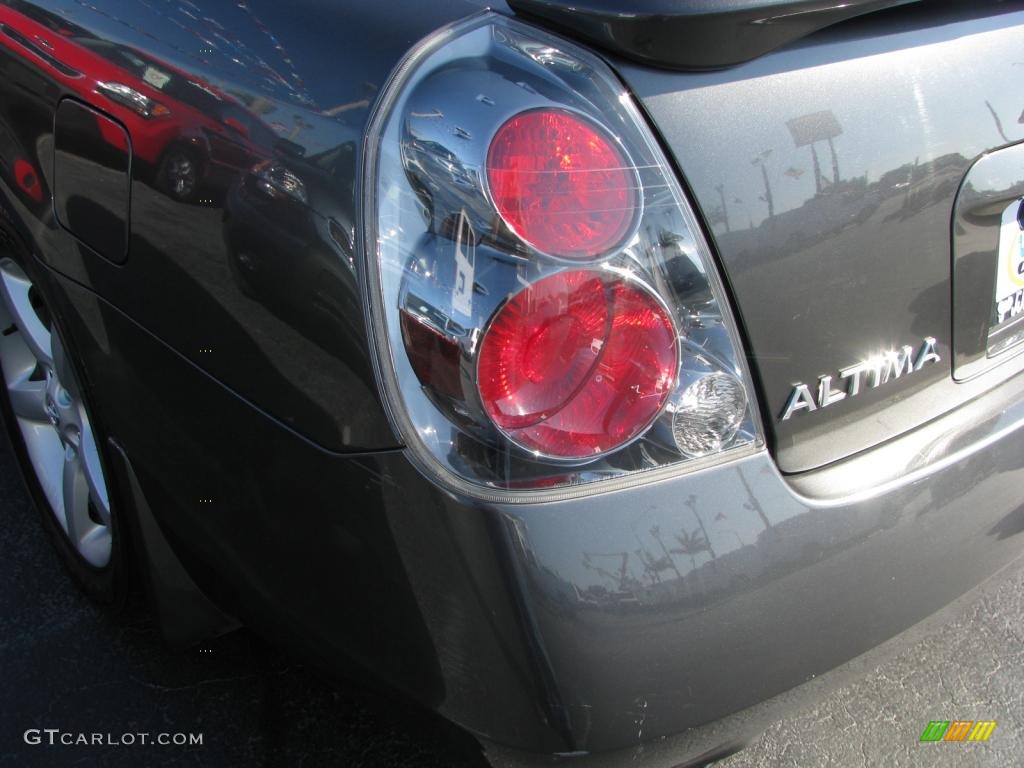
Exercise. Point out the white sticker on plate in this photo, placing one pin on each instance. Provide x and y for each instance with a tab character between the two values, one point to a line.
465	264
1010	266
155	77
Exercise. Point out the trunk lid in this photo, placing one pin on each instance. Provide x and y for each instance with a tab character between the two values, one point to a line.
828	173
695	34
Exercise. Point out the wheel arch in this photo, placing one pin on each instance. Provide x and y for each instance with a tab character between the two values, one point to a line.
183	612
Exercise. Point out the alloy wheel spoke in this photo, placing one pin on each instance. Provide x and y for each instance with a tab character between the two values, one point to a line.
93	542
28	399
15	288
59	439
76	498
61	367
93	471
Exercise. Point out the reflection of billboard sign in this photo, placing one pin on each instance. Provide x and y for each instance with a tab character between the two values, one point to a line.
818	126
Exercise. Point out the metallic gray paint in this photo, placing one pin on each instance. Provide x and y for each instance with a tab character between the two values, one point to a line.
784	585
828	273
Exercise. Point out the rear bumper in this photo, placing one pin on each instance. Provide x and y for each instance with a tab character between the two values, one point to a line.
521	623
703	745
800	575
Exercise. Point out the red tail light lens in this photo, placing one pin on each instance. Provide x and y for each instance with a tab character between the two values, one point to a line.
561	184
577	364
433	356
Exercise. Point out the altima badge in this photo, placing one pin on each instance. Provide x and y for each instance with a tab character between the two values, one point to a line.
870	373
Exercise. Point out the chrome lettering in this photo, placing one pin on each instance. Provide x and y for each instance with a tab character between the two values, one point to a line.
927	354
799	399
853	373
827	395
898	363
870	373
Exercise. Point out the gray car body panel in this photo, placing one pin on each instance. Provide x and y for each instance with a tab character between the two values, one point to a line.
825	276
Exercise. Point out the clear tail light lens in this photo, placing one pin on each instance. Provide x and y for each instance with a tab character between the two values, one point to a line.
545	309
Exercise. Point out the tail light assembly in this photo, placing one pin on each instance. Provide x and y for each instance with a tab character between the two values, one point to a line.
547	316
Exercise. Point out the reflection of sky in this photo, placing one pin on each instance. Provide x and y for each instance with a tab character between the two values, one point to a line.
181	28
895	106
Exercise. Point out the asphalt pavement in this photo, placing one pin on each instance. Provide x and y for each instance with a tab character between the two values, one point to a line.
969	667
67	665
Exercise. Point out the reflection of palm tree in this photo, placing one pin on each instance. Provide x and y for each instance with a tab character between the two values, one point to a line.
691	502
650	572
620	580
725	210
753	504
653	566
998	122
656	533
767	196
691	544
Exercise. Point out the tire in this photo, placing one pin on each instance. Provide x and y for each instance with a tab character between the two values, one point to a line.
56	439
180	174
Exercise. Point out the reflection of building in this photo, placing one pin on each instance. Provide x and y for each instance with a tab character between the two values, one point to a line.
898	193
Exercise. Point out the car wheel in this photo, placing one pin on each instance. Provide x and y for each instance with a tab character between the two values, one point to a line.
55	439
180	174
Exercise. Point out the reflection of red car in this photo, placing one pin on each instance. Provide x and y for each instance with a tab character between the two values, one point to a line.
183	130
27	179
